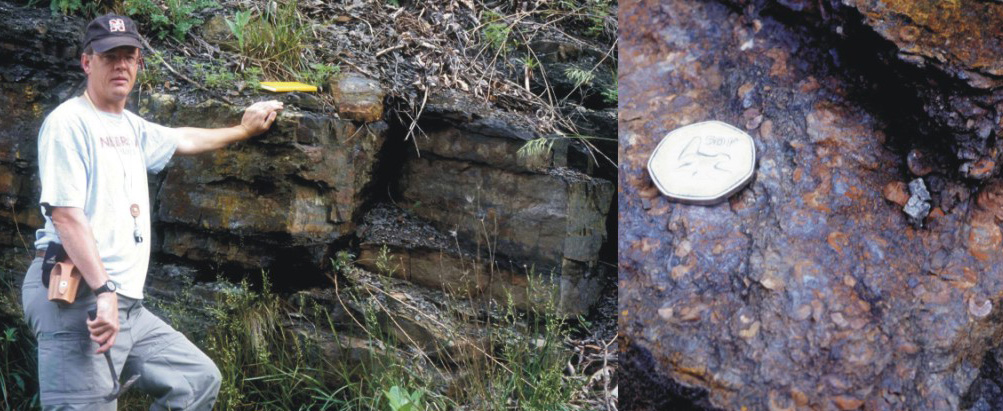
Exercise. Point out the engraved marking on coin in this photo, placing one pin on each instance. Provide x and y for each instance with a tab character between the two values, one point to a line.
703	163
696	157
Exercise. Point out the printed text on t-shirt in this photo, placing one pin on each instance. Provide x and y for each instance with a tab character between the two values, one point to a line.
120	141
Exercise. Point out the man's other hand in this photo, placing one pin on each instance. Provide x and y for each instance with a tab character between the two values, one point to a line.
258	117
104	327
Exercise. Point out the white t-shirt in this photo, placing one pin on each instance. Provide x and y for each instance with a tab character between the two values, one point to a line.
91	160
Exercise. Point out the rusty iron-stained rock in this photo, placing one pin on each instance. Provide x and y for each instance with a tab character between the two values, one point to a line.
810	289
357	97
895	192
945	52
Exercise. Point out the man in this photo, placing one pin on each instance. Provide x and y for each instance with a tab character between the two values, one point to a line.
93	158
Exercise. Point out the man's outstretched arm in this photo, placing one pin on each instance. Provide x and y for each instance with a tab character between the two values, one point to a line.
258	117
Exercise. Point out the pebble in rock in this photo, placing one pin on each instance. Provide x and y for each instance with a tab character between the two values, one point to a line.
895	192
918	189
918	206
919	164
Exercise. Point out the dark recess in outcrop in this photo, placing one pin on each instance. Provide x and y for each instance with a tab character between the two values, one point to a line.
647	390
896	93
986	393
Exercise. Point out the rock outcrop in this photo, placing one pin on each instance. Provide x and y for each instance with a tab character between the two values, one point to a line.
300	186
39	69
528	210
808	289
287	200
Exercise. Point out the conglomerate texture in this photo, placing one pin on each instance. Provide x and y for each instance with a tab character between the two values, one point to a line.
810	288
945	53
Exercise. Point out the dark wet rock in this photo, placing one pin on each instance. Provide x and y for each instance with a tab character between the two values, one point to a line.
809	290
556	218
44	48
472	114
395	243
501	152
39	41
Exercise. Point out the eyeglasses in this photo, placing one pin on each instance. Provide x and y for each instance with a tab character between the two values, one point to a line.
114	58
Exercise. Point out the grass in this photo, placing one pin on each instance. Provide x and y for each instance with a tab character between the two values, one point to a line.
318	74
612	94
592	16
73	6
364	352
536	151
274	354
274	40
497	32
18	361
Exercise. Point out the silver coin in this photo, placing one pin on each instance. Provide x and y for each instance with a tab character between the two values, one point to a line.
703	163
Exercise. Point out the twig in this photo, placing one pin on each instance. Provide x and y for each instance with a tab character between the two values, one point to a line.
388	49
13	216
414	122
360	69
605	358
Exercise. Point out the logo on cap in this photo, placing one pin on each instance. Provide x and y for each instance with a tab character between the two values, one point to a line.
116	25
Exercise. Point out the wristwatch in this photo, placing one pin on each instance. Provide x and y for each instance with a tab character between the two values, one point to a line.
109	286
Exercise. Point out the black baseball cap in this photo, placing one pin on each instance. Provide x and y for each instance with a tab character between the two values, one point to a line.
109	31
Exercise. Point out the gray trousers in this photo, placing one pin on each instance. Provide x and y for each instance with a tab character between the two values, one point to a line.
72	377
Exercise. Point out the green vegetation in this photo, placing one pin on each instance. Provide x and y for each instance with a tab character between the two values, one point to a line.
73	7
497	32
252	75
168	17
214	75
611	94
274	40
592	15
579	76
318	74
298	354
237	25
401	400
18	363
539	148
152	73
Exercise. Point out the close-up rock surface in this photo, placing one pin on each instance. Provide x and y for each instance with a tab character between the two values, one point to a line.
860	269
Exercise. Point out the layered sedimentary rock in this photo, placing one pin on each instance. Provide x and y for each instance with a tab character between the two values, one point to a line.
300	185
529	210
44	48
811	288
398	244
